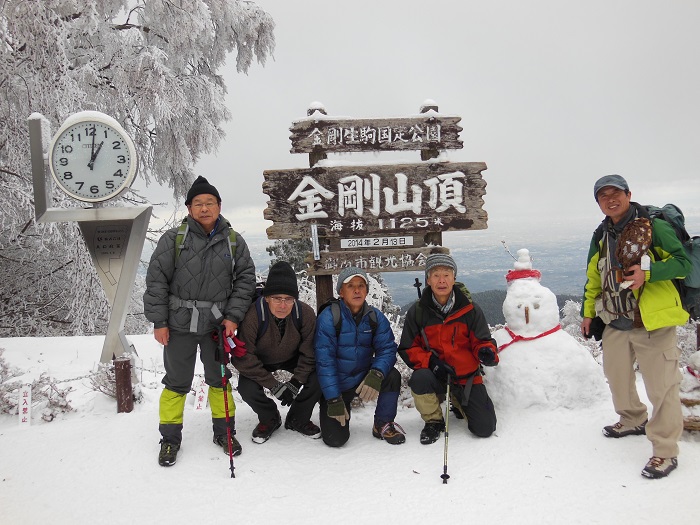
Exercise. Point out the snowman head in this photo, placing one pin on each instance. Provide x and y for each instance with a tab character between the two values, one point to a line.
529	308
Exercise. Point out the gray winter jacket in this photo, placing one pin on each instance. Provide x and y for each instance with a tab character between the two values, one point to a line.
202	272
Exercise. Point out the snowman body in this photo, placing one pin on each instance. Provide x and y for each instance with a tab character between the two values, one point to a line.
540	364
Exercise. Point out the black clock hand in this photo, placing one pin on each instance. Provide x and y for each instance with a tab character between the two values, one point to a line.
91	164
92	151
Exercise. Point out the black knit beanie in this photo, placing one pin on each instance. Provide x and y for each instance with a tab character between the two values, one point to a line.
199	187
281	279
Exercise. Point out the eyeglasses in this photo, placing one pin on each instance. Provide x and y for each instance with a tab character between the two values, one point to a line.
202	205
281	300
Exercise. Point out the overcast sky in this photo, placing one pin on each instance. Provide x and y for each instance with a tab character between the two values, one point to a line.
552	94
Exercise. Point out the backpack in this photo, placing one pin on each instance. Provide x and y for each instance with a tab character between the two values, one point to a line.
184	229
264	314
688	288
338	318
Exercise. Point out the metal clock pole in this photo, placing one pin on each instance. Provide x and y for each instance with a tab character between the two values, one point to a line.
114	235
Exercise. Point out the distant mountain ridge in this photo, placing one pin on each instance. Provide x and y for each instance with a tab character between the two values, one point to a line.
491	303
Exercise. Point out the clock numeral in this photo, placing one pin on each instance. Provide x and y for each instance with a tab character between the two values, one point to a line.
118	173
110	185
116	145
63	161
89	132
67	175
94	189
67	149
121	159
80	185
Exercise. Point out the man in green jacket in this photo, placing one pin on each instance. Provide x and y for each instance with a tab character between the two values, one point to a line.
641	309
191	289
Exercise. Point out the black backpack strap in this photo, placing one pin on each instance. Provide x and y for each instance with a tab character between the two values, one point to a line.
373	321
337	317
263	312
296	316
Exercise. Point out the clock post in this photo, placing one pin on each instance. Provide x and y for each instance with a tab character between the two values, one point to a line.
92	159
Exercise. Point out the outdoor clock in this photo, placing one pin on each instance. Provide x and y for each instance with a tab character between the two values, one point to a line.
92	158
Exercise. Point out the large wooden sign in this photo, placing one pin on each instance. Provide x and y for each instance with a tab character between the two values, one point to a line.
387	260
427	131
380	200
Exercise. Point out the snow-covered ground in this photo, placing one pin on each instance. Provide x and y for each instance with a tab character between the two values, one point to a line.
543	465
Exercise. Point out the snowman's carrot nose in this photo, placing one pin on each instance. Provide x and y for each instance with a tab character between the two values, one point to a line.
527	314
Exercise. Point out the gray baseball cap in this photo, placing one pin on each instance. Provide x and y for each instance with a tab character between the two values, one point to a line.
347	274
616	181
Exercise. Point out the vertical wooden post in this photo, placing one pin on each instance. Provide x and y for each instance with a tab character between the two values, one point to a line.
324	283
426	154
122	374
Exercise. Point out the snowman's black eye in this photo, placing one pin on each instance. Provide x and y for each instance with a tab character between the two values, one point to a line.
536	305
520	305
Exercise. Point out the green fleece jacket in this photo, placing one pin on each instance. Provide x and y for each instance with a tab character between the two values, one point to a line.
659	302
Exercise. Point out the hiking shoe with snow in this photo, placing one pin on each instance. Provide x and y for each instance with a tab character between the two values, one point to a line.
168	454
263	431
222	441
431	432
308	429
619	430
390	432
659	467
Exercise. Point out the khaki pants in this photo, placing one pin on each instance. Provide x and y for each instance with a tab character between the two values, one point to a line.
657	353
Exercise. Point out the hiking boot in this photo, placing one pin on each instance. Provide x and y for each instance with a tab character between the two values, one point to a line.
263	431
431	432
659	467
222	441
456	411
308	429
168	454
390	432
619	430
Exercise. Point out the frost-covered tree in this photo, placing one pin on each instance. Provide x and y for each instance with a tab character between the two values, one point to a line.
154	66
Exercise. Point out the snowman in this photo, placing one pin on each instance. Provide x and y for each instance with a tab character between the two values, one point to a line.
541	365
690	393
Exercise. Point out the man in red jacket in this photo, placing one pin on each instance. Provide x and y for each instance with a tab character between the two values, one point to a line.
446	339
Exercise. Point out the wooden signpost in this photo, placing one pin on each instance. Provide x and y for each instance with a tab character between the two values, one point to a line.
381	217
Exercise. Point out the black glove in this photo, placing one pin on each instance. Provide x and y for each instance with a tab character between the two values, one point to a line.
487	356
441	369
287	392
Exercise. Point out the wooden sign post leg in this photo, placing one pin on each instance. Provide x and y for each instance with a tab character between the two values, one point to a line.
324	283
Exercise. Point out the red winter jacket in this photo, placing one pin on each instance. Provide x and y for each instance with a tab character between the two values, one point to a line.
456	340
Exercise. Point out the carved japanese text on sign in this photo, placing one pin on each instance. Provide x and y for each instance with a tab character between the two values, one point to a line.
406	260
428	131
358	200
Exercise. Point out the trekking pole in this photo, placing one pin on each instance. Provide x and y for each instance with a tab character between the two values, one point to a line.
222	358
445	476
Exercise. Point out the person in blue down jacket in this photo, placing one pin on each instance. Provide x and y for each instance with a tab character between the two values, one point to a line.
355	356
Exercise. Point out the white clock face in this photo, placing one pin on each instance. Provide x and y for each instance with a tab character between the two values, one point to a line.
92	161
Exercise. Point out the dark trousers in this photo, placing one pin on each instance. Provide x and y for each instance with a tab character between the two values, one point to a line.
478	407
336	435
179	358
301	408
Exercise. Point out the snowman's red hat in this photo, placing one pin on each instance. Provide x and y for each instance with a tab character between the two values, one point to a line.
522	274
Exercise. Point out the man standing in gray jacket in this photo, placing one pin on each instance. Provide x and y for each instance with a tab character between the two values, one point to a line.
201	275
